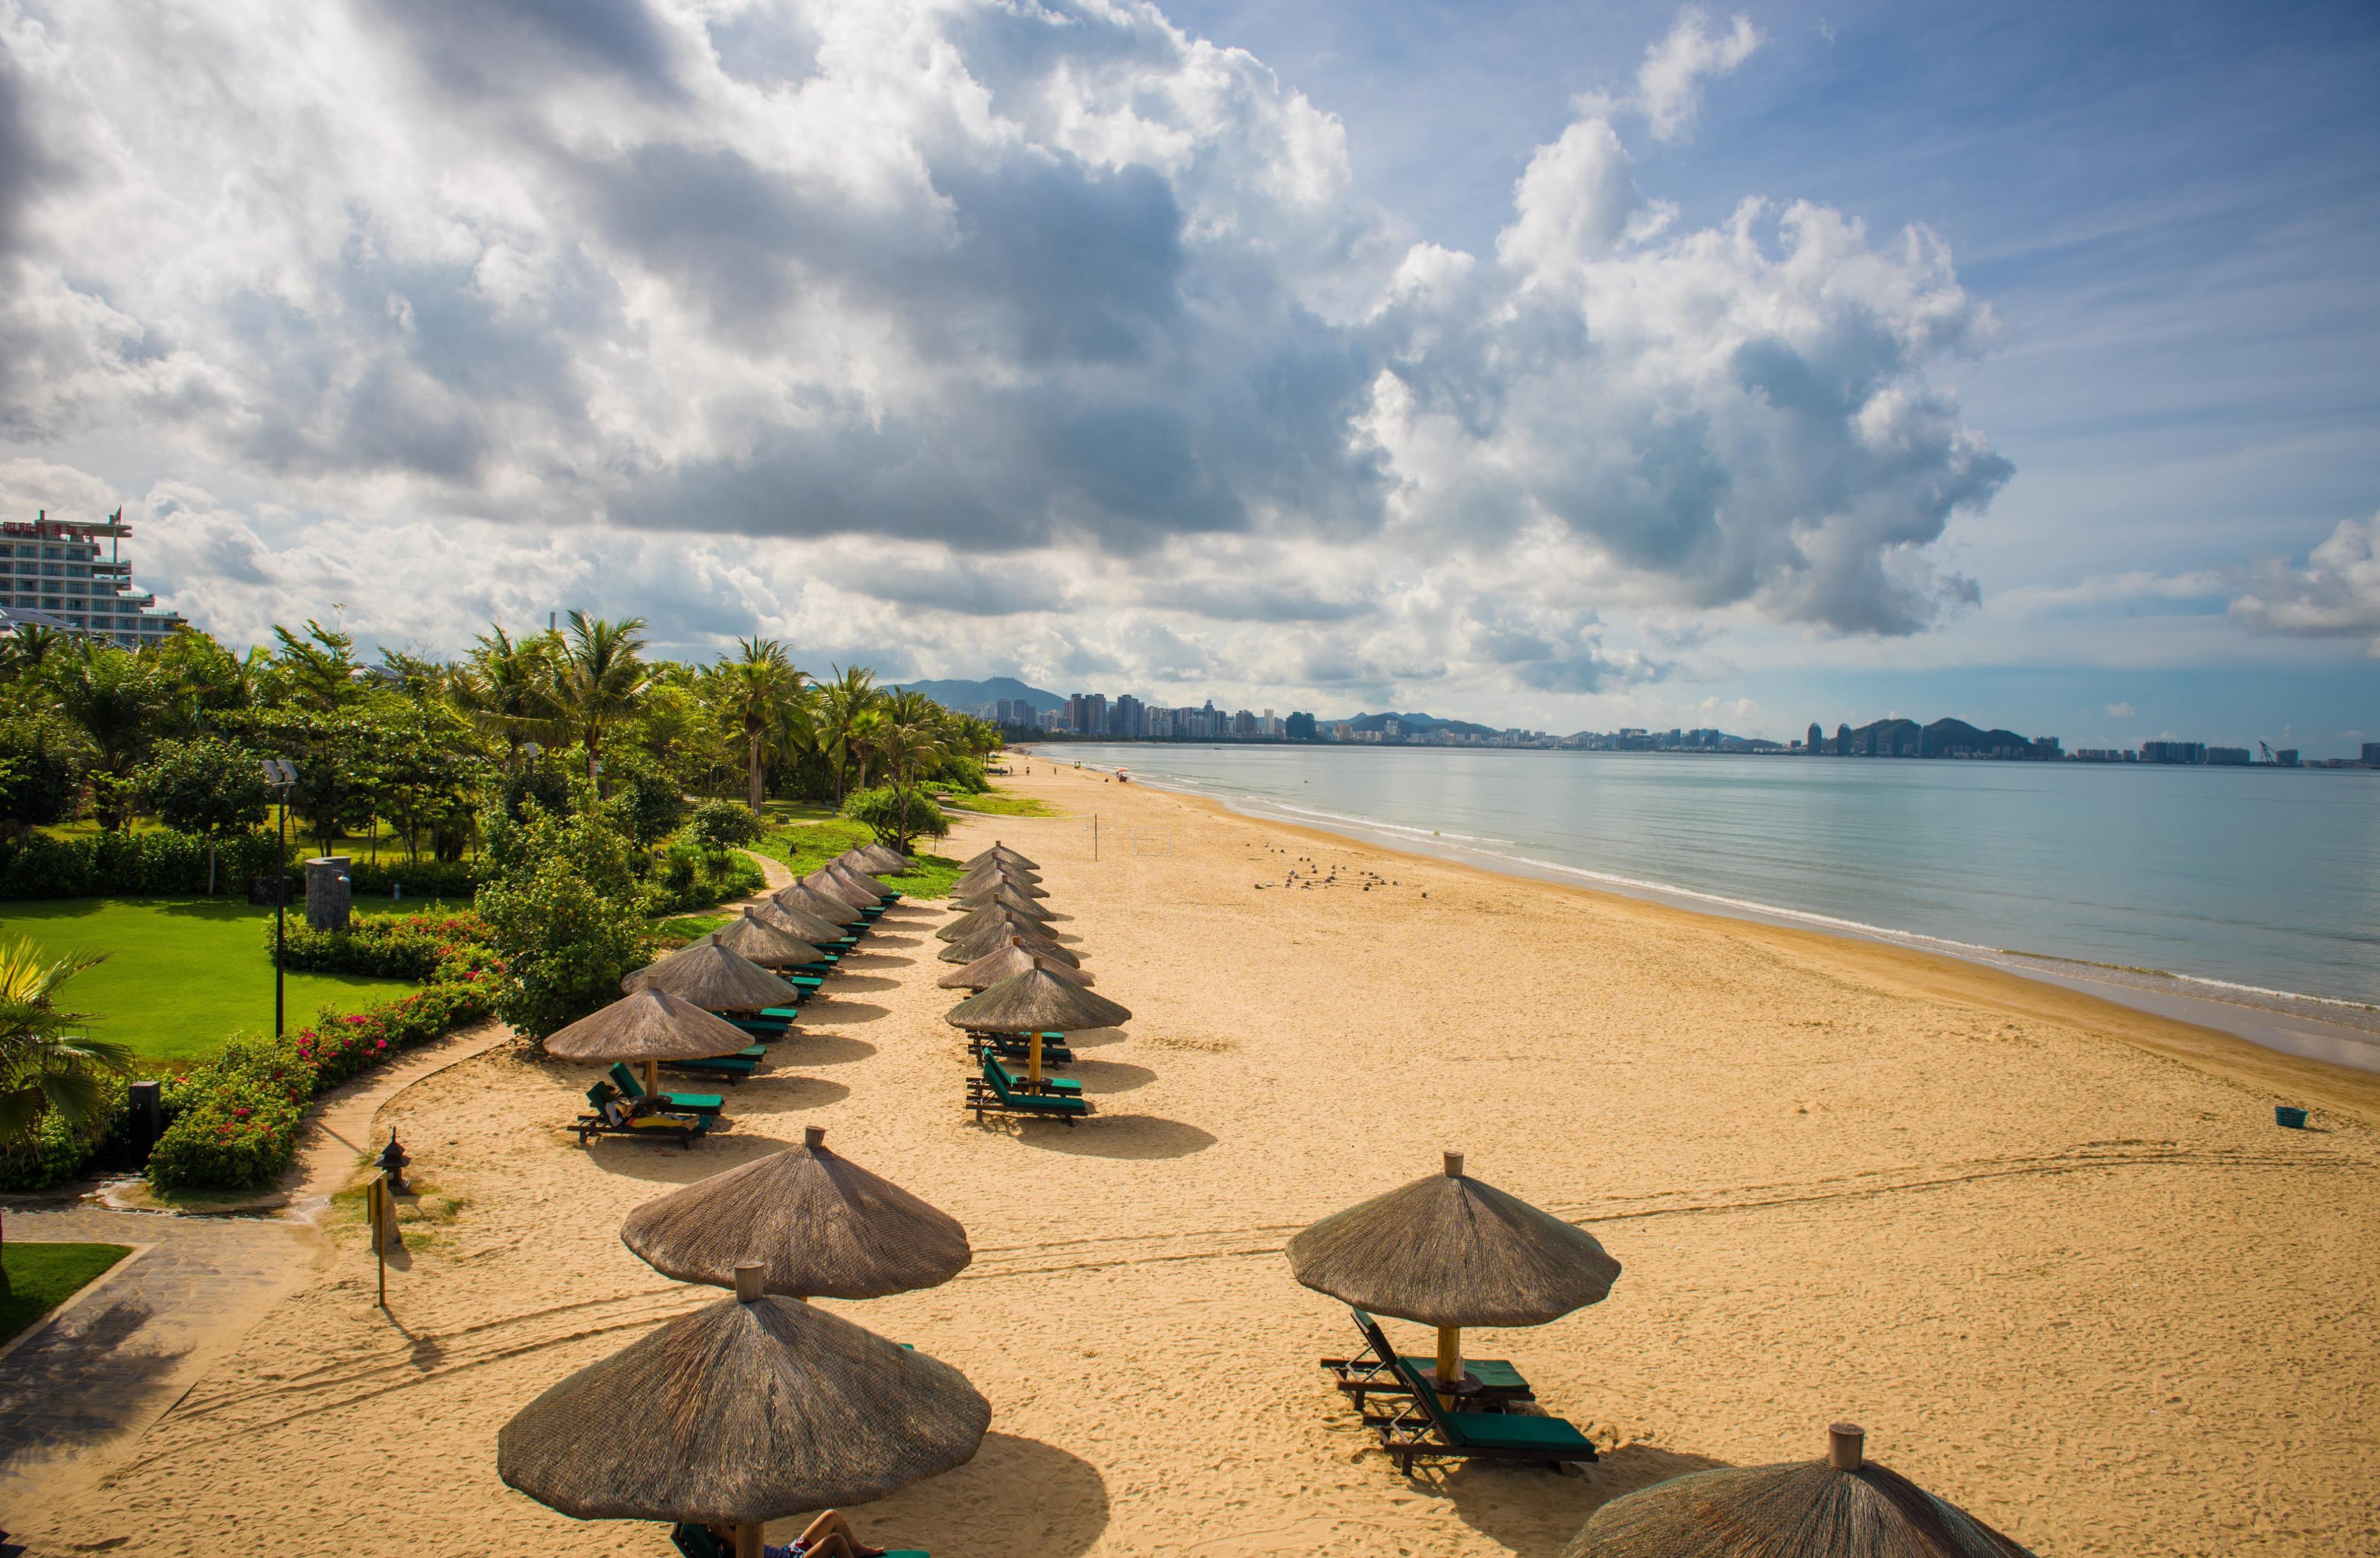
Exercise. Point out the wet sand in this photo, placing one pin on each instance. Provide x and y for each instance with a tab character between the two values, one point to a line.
2054	1253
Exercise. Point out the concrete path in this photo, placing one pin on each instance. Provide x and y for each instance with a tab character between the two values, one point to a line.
95	1375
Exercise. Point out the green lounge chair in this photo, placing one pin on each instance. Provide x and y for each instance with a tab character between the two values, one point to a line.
614	1116
1372	1372
734	1068
991	1091
626	1080
696	1542
1016	1046
1063	1085
1422	1429
762	1028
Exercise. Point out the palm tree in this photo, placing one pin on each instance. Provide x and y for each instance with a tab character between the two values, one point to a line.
907	748
506	687
43	1064
600	678
23	651
754	691
114	697
842	704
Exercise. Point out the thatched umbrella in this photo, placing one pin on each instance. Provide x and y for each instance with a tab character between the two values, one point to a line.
712	978
826	884
876	859
1009	898
1030	1002
820	1226
992	937
813	928
974	919
831	908
851	877
1006	961
649	1026
1451	1251
745	1411
1843	1506
998	851
764	942
998	871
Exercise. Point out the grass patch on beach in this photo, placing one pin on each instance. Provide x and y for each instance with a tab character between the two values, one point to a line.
43	1277
182	974
999	802
802	848
796	811
686	927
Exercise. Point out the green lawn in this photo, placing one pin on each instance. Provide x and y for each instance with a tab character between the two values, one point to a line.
805	847
43	1277
997	801
182	974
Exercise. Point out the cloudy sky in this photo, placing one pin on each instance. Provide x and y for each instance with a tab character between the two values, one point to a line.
1560	365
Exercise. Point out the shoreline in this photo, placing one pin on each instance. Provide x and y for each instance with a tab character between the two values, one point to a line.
2319	1028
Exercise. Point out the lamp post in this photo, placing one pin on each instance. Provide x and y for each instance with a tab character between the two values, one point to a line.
282	775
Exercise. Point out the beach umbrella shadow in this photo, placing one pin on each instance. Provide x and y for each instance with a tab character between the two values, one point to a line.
632	1159
975	1508
1523	1509
1119	1136
1104	1077
824	1049
790	1090
834	1008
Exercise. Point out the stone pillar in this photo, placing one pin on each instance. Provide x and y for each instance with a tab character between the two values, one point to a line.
329	893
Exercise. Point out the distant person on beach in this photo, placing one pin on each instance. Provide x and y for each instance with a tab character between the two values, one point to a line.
829	1535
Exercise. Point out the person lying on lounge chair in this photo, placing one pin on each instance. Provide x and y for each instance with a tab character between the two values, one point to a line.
829	1535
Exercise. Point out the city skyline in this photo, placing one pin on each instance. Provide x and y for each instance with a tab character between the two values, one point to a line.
1648	366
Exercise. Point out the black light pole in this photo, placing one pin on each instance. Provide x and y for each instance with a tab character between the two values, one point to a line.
280	774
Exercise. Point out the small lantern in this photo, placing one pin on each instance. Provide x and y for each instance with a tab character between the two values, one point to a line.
393	1159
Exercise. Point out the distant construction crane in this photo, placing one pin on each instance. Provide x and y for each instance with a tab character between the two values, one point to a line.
2267	751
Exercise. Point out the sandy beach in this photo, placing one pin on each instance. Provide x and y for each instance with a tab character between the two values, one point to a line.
2053	1254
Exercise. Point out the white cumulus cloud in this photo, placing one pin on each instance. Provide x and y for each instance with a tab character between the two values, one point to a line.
2335	594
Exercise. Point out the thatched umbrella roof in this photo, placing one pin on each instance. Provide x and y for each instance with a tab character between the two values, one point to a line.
876	860
852	877
835	909
1842	1506
1006	961
998	871
797	920
998	851
827	884
648	1025
1450	1251
1023	884
975	920
744	1411
992	937
1032	1002
712	978
1006	897
820	1226
762	941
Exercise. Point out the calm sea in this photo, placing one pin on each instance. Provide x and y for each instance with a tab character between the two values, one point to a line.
2244	876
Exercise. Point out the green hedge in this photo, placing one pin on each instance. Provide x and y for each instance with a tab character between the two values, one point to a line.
388	946
130	865
683	881
455	880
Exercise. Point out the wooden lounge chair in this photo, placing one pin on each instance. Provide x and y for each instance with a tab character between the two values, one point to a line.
733	1068
630	1088
992	1091
1016	1046
1422	1429
762	1028
1062	1085
1372	1371
615	1115
695	1541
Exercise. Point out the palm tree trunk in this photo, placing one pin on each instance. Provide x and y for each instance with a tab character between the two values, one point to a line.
752	785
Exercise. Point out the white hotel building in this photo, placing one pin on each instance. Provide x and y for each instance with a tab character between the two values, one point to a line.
52	574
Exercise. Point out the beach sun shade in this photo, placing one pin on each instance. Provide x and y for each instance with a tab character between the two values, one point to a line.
875	860
1009	898
745	1411
857	881
648	1027
762	941
999	852
973	920
819	1225
712	978
993	937
831	908
1006	961
1450	1251
827	884
996	875
1033	1001
1842	1506
797	922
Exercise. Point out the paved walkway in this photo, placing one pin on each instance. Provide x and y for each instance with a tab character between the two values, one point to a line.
100	1374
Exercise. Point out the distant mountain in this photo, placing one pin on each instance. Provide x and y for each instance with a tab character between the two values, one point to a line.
968	697
1413	722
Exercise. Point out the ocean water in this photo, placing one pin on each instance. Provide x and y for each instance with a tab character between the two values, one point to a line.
2261	879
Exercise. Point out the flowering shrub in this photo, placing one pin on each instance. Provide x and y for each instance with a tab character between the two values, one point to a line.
390	946
234	1121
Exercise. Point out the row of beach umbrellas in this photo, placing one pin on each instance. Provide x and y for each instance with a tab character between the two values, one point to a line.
688	1005
1025	981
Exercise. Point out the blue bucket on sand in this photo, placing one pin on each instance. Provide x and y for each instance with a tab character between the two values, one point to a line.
2293	1119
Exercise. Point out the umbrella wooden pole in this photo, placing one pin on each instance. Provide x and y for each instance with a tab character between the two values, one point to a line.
652	1078
747	1541
1033	1060
1449	1362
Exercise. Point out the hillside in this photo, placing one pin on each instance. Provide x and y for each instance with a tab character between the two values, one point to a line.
967	696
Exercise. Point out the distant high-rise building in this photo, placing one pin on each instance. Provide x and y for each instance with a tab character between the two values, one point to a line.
52	574
1129	719
2372	755
1817	738
2173	752
1843	740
